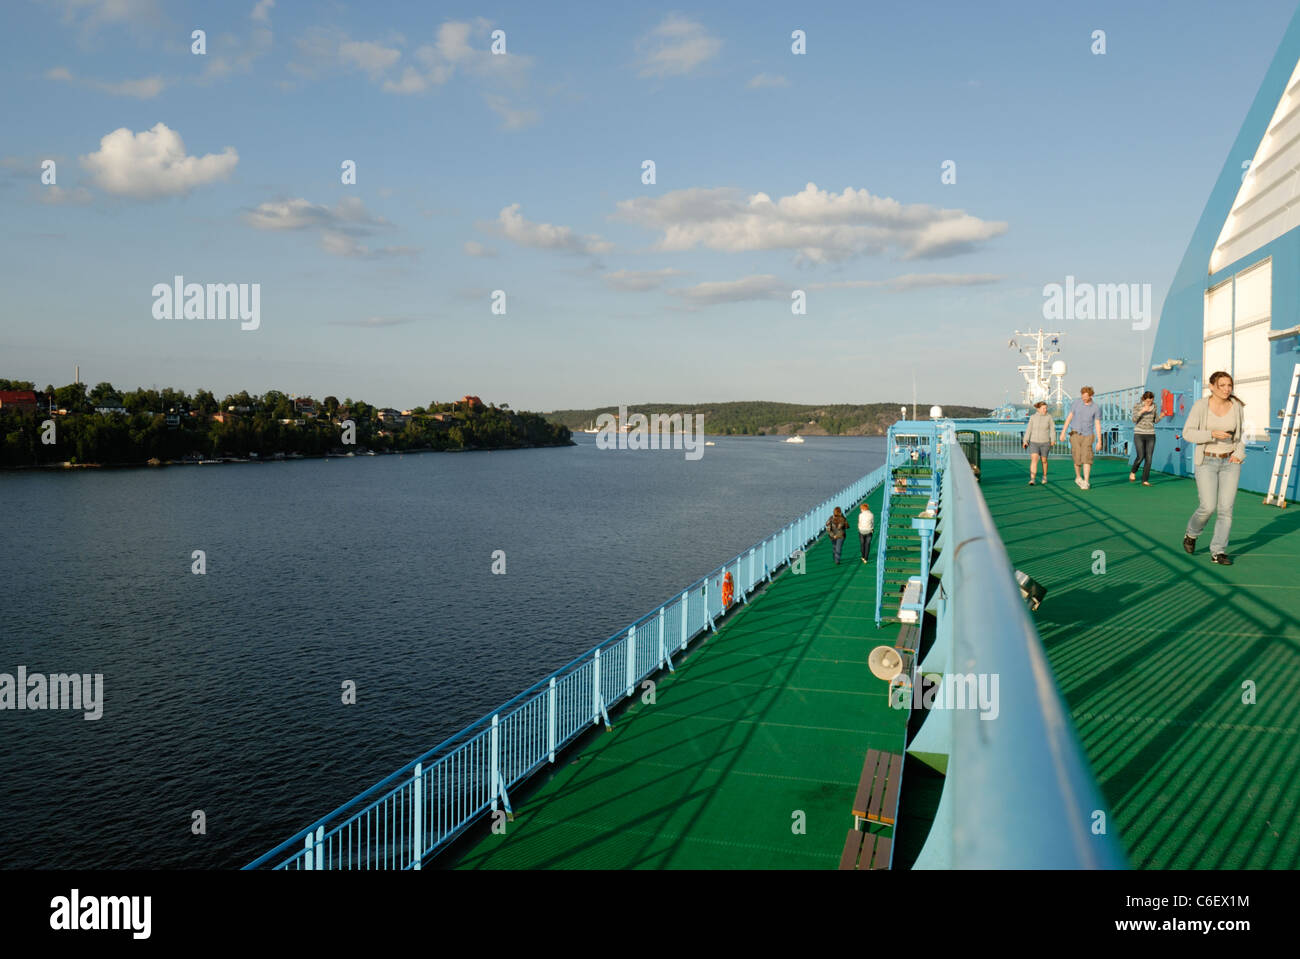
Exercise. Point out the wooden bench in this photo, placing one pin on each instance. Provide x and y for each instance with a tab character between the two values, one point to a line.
877	799
865	850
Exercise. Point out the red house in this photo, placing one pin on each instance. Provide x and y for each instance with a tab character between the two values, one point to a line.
17	399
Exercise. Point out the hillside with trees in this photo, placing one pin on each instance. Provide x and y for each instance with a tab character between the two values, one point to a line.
106	426
760	418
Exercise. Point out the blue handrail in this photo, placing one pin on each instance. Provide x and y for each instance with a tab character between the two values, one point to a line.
416	811
1018	792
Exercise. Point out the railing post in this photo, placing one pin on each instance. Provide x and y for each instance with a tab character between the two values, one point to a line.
686	613
631	659
309	855
595	688
417	809
496	762
663	613
550	720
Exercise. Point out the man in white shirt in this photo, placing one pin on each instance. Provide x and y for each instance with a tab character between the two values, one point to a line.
866	526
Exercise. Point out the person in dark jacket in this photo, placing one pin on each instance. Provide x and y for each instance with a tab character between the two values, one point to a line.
1145	418
836	528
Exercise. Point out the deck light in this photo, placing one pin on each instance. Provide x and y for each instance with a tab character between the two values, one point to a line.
1030	590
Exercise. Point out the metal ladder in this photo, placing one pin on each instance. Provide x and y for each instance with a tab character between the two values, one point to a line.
1288	439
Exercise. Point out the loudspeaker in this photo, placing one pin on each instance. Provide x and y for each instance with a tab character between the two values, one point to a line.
1030	590
885	663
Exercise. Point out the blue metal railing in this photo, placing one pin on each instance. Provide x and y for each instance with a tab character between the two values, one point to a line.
1018	792
415	812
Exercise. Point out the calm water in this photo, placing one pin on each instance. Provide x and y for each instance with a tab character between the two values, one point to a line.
222	692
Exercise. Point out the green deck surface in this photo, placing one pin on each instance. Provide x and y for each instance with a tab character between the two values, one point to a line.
768	718
1151	657
774	713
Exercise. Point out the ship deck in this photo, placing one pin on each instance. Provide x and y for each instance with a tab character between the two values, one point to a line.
771	716
749	756
1153	656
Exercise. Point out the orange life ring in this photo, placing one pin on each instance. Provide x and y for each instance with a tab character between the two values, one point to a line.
728	591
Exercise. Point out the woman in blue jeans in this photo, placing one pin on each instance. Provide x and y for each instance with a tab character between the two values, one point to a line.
1145	418
1216	424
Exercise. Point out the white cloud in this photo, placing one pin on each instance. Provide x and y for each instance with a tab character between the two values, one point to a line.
300	214
547	236
759	287
90	15
913	281
145	88
676	47
768	80
342	244
413	81
373	58
639	280
262	11
511	119
153	164
475	248
820	226
339	228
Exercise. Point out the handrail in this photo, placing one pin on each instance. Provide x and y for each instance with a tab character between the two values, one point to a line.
1018	789
417	810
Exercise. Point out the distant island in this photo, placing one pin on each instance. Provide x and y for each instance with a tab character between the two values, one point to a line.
103	426
761	418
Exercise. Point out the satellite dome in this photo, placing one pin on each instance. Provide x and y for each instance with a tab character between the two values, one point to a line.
936	412
1058	368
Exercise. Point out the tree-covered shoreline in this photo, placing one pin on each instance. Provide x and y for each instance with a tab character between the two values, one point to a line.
101	426
762	417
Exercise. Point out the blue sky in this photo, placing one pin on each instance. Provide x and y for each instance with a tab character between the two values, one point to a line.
523	173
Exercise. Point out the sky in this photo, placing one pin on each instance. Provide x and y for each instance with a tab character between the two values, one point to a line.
919	173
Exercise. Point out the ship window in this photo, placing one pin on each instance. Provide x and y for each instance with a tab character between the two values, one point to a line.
1238	317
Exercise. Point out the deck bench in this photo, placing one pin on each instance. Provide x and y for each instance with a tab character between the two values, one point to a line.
877	798
865	850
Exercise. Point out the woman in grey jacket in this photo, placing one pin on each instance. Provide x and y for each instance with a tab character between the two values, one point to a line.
1038	439
1216	424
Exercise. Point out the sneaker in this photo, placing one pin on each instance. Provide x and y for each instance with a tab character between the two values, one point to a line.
1145	483
1078	481
1132	477
1085	485
1031	482
1044	480
1223	559
1189	544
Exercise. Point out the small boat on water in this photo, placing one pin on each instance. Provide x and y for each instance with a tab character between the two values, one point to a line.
795	439
710	443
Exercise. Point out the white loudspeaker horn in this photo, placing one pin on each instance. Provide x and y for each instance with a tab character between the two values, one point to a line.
885	663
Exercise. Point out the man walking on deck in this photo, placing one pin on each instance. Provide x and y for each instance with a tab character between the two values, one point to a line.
866	526
1085	438
836	527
